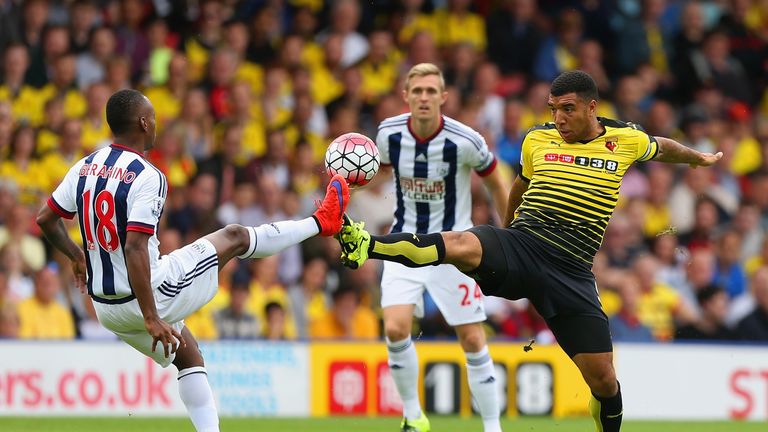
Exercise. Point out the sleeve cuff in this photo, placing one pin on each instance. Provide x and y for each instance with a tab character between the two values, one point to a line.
140	227
489	169
59	210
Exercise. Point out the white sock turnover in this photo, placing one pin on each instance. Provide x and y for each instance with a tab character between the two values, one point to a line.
195	392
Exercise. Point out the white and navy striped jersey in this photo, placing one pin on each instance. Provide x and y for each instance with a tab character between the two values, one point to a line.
432	175
113	190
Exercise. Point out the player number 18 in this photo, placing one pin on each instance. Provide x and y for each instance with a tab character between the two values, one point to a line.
106	232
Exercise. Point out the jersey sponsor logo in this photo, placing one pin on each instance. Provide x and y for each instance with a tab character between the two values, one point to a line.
556	157
608	165
423	189
105	172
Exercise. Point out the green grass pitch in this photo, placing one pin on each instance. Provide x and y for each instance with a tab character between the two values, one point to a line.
336	424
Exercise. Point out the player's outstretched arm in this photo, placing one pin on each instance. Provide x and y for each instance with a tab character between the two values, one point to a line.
137	260
499	190
671	151
384	175
515	198
56	233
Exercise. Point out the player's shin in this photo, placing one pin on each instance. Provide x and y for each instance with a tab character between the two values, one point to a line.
607	412
272	238
482	384
404	367
195	392
411	250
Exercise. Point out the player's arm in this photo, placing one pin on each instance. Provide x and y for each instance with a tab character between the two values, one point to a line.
384	175
136	252
54	230
496	185
671	151
515	198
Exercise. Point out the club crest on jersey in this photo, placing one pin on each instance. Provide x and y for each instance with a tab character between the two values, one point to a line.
611	144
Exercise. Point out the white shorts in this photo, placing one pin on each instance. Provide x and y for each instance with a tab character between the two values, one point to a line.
191	281
457	295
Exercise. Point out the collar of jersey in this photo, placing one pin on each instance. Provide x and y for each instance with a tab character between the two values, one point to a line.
429	138
125	148
605	130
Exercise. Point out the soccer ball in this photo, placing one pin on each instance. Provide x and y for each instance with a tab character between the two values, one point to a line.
354	156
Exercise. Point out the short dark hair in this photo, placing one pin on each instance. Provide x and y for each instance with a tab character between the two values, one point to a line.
575	81
708	292
121	110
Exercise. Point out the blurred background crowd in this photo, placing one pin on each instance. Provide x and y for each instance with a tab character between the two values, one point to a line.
248	94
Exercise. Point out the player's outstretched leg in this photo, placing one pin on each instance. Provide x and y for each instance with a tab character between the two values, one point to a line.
461	249
269	239
194	388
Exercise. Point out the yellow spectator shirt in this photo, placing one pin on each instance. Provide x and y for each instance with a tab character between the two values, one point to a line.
167	106
454	29
421	23
95	135
74	102
656	309
365	325
33	181
26	106
39	321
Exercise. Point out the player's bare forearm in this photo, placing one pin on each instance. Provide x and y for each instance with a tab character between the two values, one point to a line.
499	190
56	233
671	151
383	176
137	260
515	198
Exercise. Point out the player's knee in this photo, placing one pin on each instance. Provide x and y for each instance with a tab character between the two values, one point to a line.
237	235
463	249
472	340
396	331
603	381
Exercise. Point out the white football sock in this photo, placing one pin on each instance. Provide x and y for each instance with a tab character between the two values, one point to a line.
269	239
482	384
195	392
404	367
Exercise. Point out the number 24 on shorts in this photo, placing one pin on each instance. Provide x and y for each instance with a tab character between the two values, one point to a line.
476	293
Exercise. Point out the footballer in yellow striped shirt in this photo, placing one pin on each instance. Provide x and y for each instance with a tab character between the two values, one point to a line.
558	209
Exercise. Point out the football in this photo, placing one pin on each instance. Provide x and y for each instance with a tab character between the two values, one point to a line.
354	156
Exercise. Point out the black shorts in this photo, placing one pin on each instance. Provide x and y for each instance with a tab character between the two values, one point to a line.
517	264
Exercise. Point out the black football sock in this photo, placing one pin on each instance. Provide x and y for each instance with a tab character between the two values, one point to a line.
411	250
607	412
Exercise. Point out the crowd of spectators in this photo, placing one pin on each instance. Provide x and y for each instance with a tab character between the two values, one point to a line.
248	93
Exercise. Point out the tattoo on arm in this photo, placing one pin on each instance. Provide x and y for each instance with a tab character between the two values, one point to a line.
671	151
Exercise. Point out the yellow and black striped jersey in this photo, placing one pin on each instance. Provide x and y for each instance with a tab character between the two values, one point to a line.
574	187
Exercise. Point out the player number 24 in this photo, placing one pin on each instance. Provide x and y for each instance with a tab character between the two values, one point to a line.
476	293
106	231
